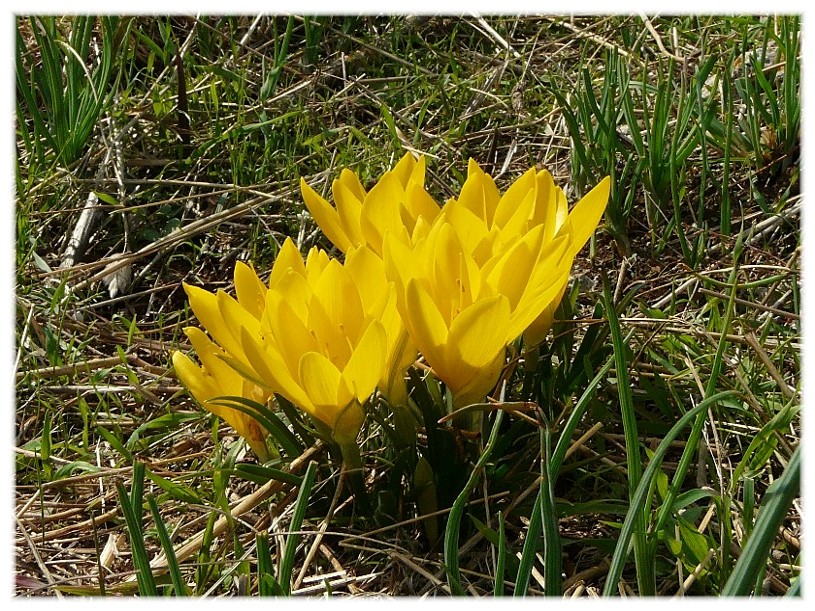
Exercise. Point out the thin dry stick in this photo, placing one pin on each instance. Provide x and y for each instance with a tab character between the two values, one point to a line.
115	262
788	391
696	572
586	34
658	40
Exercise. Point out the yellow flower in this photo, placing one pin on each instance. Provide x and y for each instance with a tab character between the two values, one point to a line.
395	204
489	222
461	315
216	379
316	344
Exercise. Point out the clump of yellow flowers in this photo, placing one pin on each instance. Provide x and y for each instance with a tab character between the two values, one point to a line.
453	285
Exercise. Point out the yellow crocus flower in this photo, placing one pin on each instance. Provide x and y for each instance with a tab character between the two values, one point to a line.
214	379
395	204
305	336
316	344
462	316
489	222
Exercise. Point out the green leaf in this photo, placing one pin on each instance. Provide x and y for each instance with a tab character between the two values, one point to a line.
177	491
756	553
300	506
179	586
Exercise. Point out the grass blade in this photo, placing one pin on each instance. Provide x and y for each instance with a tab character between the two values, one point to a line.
300	506
552	561
457	511
646	578
638	500
179	586
498	589
267	419
133	519
773	509
530	546
267	584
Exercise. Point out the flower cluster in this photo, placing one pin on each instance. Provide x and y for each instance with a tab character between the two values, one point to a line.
455	284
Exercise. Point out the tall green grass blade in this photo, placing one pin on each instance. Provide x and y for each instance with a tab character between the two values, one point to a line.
72	95
646	578
204	568
177	579
530	548
748	505
639	499
776	502
133	518
137	492
568	429
261	475
451	534
300	506
552	560
692	445
268	420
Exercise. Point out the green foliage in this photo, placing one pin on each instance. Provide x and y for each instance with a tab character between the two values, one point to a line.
64	89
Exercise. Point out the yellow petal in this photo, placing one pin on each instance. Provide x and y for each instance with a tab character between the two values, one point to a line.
350	180
426	325
476	389
367	362
516	205
421	204
203	387
291	335
417	174
381	211
191	376
368	273
404	169
479	333
250	289
211	356
349	209
288	258
471	228
472	196
536	332
323	384
205	307
534	305
325	216
339	298
489	193
235	318
510	273
586	214
272	369
400	266
295	290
